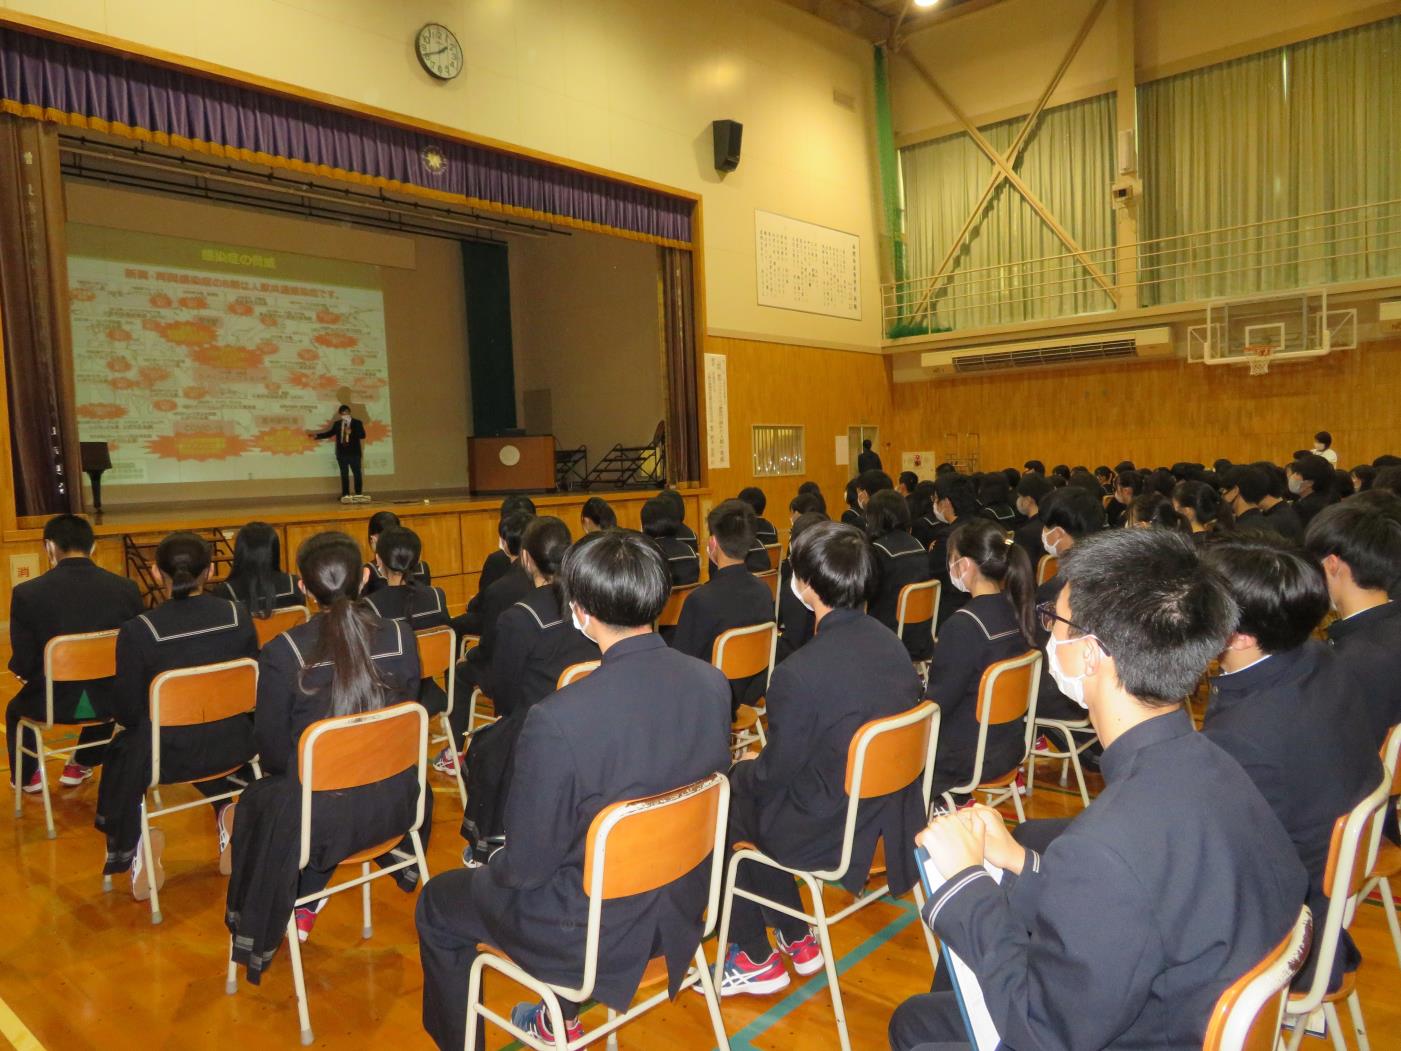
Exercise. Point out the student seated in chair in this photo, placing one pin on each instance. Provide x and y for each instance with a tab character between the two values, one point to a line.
73	597
403	598
733	597
500	561
256	578
997	623
597	514
795	620
649	720
188	629
1068	516
684	533
765	534
343	661
1171	885
380	523
899	561
659	522
955	502
790	799
1290	710
535	643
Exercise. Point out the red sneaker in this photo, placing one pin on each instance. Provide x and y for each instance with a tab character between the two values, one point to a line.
743	975
75	774
535	1020
34	785
306	920
806	953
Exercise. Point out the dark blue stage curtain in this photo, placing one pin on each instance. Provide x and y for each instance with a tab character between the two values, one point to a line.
490	358
83	86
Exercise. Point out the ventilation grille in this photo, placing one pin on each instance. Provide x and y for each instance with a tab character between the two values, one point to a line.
1104	350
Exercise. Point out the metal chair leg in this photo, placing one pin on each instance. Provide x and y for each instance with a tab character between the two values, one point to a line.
231	979
294	950
1335	1027
727	903
830	960
1389	907
1359	1027
456	763
43	779
367	931
712	1001
556	1014
148	857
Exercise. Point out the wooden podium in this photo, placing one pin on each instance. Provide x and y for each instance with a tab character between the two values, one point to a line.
511	465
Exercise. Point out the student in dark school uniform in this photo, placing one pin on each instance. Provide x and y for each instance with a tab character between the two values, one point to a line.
997	623
1359	543
1128	486
806	503
1242	489
1202	506
188	629
1176	880
795	620
597	514
868	484
995	498
1311	481
379	522
1068	516
256	578
500	560
535	643
1289	709
75	596
852	516
343	661
684	533
1032	489
649	720
791	800
923	524
899	561
1034	467
733	597
1282	516
765	534
481	619
402	598
955	501
660	524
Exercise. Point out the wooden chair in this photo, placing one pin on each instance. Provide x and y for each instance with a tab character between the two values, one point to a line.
671	612
467	642
67	658
437	653
1388	863
1247	1015
575	672
1006	693
278	621
742	653
1046	568
352	751
885	756
633	847
774	579
916	604
1351	854
192	697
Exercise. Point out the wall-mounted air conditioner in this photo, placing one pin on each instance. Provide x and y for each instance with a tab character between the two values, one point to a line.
1046	353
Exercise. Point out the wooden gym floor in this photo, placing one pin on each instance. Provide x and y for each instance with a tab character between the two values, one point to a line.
81	969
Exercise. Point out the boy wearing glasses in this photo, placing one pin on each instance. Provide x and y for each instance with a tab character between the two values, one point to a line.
1171	885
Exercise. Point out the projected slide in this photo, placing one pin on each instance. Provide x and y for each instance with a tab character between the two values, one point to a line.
203	362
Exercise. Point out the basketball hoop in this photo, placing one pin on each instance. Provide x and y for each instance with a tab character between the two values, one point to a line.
1259	355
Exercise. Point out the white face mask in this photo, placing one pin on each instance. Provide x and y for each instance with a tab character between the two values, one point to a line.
1296	484
1072	686
793	587
581	626
1023	508
1046	543
956	578
939	516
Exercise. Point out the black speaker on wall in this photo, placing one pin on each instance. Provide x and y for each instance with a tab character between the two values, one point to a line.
727	138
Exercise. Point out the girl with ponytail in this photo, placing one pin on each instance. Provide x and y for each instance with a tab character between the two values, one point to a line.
535	641
996	623
402	598
344	661
191	627
382	522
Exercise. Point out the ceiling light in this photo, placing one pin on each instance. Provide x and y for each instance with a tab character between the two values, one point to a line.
925	3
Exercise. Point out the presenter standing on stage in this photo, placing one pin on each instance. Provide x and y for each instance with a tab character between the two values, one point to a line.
349	434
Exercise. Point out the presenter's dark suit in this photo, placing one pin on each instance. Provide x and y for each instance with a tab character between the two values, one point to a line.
1141	913
647	721
350	437
74	596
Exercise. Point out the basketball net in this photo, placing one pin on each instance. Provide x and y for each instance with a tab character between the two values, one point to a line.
1259	355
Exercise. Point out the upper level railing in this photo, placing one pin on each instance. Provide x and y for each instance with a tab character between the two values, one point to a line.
1300	251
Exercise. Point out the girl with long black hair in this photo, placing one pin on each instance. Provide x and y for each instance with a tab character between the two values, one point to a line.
256	578
402	598
345	660
380	523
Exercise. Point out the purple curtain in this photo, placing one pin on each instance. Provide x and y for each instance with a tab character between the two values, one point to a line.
679	337
67	82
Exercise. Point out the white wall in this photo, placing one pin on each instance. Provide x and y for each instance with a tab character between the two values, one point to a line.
628	85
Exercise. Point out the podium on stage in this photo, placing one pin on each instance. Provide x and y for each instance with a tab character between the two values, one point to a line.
514	464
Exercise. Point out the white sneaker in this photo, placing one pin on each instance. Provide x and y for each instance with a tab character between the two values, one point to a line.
347	499
226	820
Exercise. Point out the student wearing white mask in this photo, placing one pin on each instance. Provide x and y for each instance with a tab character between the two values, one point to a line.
1067	516
997	623
1032	490
955	500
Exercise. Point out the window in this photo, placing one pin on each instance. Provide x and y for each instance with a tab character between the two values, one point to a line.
778	450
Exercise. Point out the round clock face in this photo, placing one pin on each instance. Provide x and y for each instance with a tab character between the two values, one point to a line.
438	51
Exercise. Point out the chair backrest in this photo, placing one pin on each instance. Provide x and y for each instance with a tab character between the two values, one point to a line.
1352	851
671	612
1008	687
1048	567
775	553
641	845
916	604
278	621
77	658
1248	1014
203	694
1391	758
744	652
774	579
436	651
349	751
886	755
575	672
